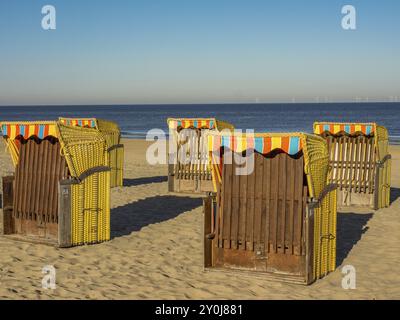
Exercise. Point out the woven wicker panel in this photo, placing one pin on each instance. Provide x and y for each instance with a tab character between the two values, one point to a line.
112	135
85	149
324	253
91	210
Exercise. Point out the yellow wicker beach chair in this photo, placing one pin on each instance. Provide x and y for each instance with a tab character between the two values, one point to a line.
188	169
60	192
112	134
360	162
278	218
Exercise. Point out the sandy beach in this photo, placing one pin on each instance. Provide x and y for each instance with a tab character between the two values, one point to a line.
156	250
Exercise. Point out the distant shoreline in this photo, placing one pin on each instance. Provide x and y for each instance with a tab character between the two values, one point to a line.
135	121
197	104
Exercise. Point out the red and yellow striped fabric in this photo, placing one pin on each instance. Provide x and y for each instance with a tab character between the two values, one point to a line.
12	130
87	123
349	128
192	123
263	144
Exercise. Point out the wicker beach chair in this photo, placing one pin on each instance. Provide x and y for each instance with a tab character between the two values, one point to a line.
360	162
60	192
279	219
112	134
188	165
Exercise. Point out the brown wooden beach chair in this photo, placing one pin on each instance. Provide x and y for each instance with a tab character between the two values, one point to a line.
188	165
278	221
360	162
60	192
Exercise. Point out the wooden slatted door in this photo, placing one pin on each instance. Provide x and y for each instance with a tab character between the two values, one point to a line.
191	172
353	161
37	174
260	216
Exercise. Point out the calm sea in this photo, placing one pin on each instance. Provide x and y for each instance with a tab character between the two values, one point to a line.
136	120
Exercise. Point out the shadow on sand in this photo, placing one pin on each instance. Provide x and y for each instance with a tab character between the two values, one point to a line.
350	228
134	216
394	194
145	180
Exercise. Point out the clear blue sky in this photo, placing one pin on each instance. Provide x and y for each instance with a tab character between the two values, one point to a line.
197	51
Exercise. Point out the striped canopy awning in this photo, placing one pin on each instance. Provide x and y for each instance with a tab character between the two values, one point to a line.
12	130
313	147
349	128
80	122
192	123
262	143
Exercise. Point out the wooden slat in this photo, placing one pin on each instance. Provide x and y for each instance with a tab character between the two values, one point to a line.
282	202
235	210
356	163
266	217
352	170
199	155
347	162
196	157
259	175
227	189
340	161
250	210
372	166
25	184
242	211
64	225
362	159
274	181
54	183
7	202
17	184
43	195
207	207
218	217
176	164
34	176
362	163
39	180
366	164
22	179
47	182
202	173
31	177
344	162
291	186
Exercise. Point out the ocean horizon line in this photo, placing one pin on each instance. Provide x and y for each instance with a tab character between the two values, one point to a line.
198	104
